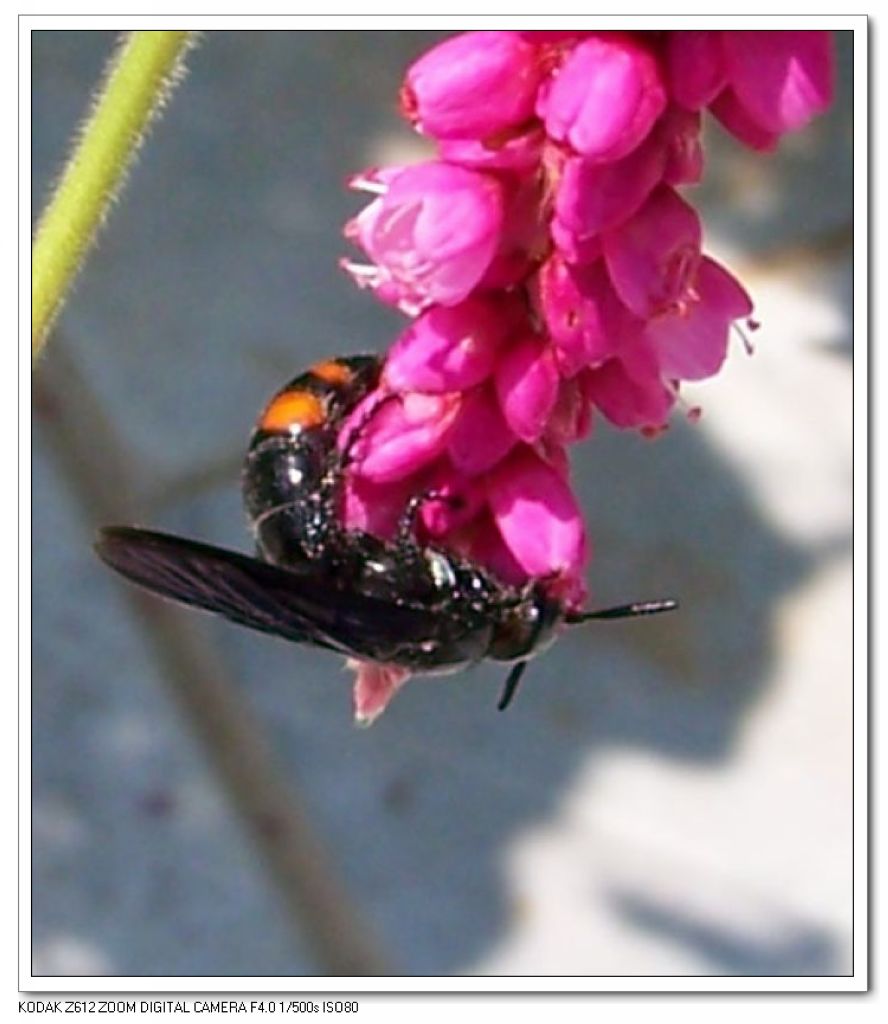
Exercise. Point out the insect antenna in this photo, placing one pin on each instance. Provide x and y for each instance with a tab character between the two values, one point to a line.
511	686
623	611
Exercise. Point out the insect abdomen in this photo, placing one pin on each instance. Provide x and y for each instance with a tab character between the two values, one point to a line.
291	448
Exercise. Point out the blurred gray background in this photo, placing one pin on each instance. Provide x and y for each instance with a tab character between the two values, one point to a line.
665	797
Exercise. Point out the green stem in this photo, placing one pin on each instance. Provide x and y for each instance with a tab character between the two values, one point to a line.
139	79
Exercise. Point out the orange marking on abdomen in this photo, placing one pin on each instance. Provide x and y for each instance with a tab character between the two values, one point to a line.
293	409
332	372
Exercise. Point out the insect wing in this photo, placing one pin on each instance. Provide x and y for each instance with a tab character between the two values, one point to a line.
299	606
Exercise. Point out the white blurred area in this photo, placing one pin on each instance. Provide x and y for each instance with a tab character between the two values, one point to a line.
665	798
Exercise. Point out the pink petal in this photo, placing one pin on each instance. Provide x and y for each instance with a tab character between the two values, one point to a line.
737	120
537	515
460	501
375	685
696	67
782	79
403	436
483	544
373	507
473	85
480	436
692	343
586	320
527	386
605	98
375	180
521	152
593	197
571	246
449	348
541	38
653	257
629	389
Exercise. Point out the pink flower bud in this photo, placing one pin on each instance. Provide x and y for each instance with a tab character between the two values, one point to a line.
653	257
537	515
605	98
473	86
527	386
450	348
432	235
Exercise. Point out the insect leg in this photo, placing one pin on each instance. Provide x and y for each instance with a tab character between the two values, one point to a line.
512	681
346	453
406	535
330	492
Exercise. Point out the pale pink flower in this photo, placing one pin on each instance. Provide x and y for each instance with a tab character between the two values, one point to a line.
431	235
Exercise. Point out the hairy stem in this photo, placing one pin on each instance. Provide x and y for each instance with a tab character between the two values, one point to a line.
139	79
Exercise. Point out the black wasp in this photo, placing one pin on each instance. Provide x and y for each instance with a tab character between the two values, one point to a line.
396	602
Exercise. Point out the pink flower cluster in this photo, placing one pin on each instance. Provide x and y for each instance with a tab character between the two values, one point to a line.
551	269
